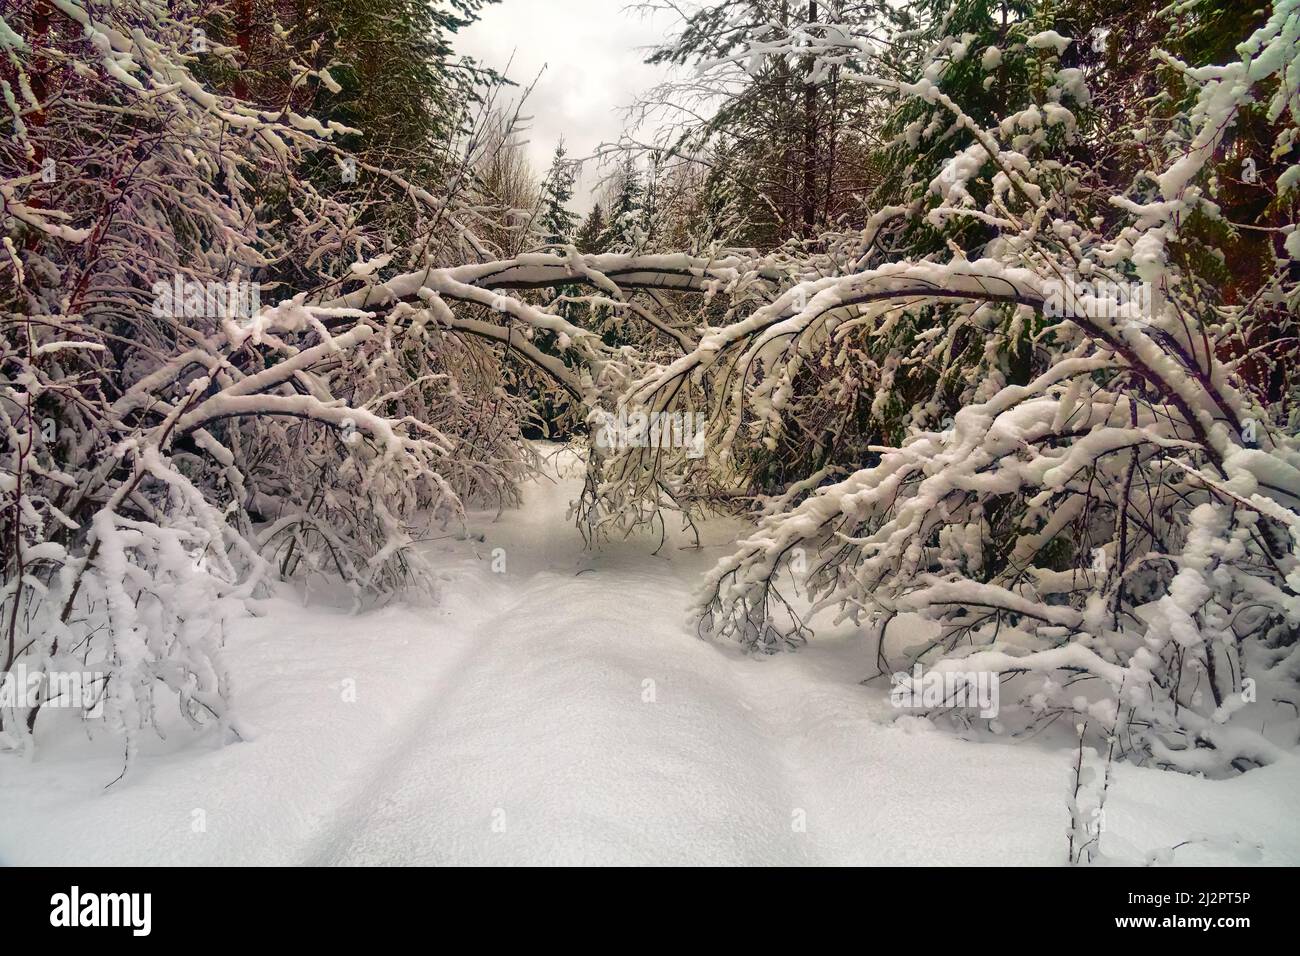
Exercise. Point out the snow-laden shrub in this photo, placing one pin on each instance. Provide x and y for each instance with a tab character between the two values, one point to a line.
1090	502
183	420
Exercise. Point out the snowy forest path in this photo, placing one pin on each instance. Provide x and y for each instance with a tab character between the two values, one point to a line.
605	736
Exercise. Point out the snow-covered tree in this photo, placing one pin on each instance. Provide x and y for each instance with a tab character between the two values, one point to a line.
626	229
787	133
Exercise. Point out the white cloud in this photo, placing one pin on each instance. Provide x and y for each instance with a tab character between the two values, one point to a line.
593	54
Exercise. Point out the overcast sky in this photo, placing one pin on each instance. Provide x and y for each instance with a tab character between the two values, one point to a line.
591	51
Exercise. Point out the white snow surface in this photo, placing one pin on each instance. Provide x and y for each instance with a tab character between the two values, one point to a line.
510	724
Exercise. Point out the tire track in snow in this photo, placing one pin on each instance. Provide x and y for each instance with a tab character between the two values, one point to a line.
545	745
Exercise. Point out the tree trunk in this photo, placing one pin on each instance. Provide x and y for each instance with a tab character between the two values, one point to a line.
808	194
244	40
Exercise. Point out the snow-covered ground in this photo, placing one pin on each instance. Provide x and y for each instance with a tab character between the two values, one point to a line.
564	712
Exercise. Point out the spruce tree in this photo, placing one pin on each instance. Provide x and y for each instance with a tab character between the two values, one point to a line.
593	230
626	231
556	221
